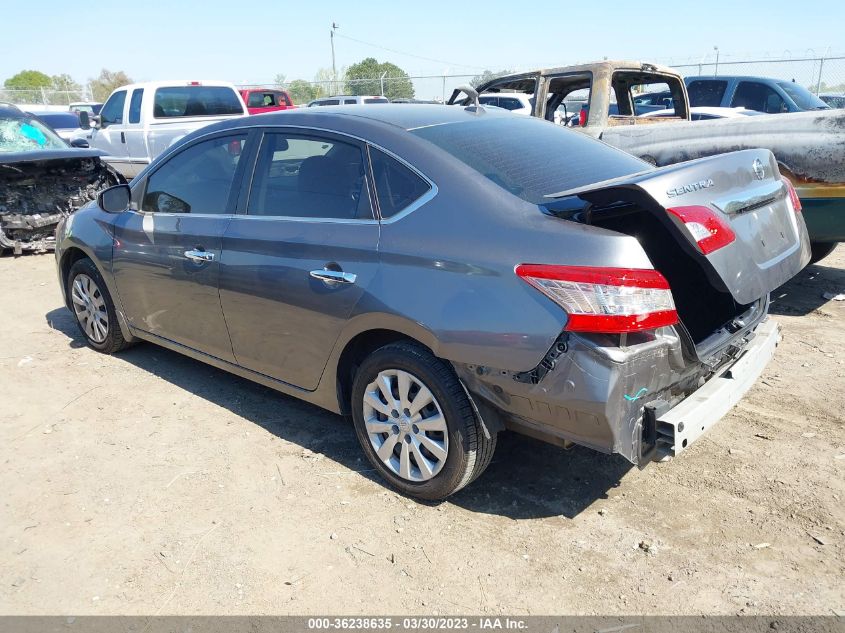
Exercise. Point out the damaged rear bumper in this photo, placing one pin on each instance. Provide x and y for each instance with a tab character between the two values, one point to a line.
678	427
644	400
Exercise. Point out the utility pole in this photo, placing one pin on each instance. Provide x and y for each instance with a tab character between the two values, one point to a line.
334	69
716	48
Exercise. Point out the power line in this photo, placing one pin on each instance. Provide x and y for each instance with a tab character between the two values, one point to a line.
398	52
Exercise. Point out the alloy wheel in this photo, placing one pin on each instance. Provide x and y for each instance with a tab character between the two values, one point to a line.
405	425
90	308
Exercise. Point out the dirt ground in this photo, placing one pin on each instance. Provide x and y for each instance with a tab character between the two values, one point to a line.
149	483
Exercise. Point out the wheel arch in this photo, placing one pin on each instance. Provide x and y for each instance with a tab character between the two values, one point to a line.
365	339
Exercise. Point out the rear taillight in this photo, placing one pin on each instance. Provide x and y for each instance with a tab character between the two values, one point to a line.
606	300
793	195
709	230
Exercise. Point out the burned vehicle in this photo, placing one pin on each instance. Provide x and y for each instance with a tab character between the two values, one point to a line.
42	180
441	274
602	99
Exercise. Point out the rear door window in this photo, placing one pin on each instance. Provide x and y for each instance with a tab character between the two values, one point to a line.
192	101
706	93
510	103
754	95
196	180
112	112
135	105
309	176
397	186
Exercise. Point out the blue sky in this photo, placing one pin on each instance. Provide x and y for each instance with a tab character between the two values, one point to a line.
250	42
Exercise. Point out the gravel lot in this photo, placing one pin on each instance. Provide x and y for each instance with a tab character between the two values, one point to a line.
149	483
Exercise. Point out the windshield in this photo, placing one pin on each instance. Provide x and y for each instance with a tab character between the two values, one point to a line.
23	134
802	97
528	157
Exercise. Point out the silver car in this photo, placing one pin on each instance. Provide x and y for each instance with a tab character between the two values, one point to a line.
441	274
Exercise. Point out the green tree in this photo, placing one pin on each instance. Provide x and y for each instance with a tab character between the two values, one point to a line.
365	78
486	76
28	80
102	86
280	80
301	91
66	88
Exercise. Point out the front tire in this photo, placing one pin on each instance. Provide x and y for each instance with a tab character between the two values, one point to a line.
416	424
93	308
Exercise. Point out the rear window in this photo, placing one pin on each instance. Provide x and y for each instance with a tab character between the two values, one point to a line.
528	157
706	93
189	101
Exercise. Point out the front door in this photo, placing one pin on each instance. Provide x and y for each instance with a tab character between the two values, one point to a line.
110	135
299	258
167	253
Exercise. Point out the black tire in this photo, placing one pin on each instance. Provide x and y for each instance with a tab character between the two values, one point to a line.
469	451
113	340
820	250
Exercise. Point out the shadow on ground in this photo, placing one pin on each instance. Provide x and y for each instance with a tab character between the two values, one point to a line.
805	292
527	478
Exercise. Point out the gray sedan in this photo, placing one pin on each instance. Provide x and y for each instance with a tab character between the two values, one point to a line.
441	274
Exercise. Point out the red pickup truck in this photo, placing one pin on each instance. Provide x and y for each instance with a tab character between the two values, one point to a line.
260	100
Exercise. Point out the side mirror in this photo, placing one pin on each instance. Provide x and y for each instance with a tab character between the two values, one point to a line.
115	199
96	121
81	143
84	120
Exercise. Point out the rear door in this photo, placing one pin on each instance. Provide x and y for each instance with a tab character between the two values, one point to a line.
300	253
166	260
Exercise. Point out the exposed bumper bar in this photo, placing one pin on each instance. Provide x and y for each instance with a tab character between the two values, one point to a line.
682	425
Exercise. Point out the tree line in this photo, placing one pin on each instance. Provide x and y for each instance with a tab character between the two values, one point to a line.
367	77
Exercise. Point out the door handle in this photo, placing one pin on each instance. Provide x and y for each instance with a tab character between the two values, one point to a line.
122	137
199	256
334	276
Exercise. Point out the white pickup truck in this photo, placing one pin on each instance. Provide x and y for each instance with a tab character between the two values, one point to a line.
139	121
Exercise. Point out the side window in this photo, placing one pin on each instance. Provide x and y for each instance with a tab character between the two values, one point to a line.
756	96
510	103
397	186
112	112
492	101
706	93
305	176
349	101
328	102
196	180
135	105
256	100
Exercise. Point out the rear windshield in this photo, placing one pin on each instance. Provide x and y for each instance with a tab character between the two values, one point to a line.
531	158
802	97
184	101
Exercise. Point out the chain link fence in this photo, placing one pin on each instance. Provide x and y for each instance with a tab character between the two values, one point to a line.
818	74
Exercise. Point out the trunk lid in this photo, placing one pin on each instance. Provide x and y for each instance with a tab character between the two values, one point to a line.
744	192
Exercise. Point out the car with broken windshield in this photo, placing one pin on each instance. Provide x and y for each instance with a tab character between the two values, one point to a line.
443	274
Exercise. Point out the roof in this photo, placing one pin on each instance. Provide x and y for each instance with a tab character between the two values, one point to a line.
406	116
605	64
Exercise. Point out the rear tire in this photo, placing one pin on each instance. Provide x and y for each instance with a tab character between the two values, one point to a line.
430	451
820	250
93	308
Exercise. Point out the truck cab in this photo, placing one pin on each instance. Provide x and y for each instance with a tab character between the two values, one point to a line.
139	121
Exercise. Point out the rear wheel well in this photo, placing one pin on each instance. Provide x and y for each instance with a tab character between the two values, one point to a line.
69	258
356	350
